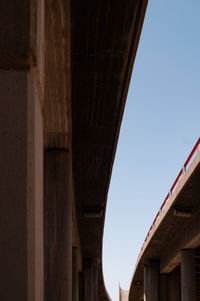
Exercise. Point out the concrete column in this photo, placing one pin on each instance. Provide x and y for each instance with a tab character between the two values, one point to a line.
21	188
187	275
95	283
80	286
146	283
164	287
151	281
88	281
58	225
175	284
74	274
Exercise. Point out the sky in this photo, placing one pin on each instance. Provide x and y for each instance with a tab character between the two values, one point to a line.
161	124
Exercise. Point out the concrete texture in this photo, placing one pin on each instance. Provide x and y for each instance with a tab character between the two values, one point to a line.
18	39
153	281
58	225
21	188
188	285
102	56
68	66
57	74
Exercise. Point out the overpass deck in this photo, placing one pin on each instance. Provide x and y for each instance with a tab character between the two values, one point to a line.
175	227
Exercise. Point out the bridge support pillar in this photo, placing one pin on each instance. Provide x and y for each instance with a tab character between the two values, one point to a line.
151	281
80	287
95	283
146	282
88	280
164	287
175	284
74	274
58	225
187	275
21	188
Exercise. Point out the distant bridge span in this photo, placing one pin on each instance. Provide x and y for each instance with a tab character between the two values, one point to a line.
168	266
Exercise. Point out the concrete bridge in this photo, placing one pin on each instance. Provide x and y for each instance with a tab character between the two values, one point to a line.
168	266
65	68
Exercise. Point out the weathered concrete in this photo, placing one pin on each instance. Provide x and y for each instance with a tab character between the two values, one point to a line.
57	73
188	275
21	188
58	225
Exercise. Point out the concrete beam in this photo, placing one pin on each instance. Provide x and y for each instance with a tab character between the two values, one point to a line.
189	239
21	40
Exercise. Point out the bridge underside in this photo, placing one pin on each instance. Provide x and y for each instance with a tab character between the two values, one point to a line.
65	68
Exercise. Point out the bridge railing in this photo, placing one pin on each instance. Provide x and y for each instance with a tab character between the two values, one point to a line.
175	184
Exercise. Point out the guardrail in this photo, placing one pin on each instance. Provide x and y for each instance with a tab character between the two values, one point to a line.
182	171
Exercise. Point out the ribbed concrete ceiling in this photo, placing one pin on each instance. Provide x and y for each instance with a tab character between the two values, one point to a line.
104	39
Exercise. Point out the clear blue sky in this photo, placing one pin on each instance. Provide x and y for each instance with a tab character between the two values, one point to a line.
160	127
